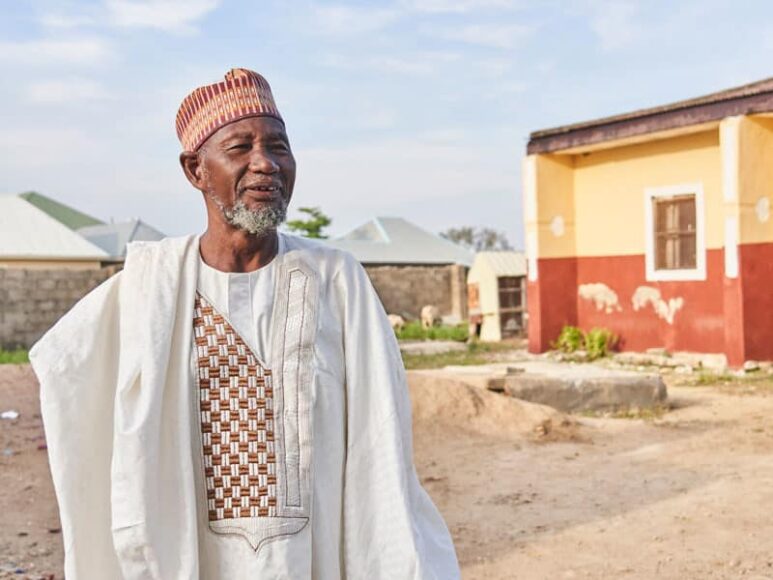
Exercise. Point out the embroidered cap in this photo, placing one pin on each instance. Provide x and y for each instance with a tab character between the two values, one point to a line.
243	93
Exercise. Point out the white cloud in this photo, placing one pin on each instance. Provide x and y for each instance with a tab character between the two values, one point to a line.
418	64
345	20
456	6
41	148
503	36
66	90
178	16
81	51
403	170
66	21
615	23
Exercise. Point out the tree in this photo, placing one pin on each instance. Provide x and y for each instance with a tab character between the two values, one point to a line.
312	227
478	239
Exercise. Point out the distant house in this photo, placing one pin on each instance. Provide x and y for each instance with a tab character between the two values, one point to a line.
496	295
64	214
31	238
657	225
411	267
114	237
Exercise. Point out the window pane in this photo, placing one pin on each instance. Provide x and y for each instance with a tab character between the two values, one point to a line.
509	282
687	215
511	324
675	227
509	299
687	251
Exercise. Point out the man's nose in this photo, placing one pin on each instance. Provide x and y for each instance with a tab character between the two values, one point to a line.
262	162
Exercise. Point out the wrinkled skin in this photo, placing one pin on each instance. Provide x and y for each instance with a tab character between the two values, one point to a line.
245	165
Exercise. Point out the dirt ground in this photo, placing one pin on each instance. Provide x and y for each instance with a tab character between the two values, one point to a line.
687	495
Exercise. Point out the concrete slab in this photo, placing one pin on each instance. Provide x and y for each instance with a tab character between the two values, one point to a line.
432	346
570	387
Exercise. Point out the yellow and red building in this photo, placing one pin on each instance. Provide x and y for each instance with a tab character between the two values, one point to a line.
657	225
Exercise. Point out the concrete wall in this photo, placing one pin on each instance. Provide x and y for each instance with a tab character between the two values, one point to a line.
405	290
31	301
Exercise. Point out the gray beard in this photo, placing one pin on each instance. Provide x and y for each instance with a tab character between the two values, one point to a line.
257	222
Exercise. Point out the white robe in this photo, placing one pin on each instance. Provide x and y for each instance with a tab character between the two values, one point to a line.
118	404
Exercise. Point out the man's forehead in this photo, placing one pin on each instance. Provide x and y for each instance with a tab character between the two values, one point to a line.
252	127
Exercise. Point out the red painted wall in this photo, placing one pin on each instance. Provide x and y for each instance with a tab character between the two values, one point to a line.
552	301
732	316
697	326
756	274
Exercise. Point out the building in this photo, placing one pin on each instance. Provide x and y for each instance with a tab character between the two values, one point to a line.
411	267
114	237
45	267
64	214
657	225
31	238
496	295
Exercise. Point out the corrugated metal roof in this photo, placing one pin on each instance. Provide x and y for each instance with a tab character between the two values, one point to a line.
755	88
392	240
112	238
503	263
27	232
62	213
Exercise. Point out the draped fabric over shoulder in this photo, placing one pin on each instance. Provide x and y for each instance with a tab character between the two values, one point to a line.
319	423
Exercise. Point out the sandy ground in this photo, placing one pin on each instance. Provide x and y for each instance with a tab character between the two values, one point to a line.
687	495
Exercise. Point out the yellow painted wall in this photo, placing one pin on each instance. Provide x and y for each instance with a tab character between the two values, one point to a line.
609	188
755	179
555	200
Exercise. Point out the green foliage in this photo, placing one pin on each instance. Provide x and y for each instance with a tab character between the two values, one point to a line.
415	331
570	340
18	356
477	353
599	342
478	239
312	227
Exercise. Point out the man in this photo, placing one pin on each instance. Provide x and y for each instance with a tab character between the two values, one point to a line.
234	406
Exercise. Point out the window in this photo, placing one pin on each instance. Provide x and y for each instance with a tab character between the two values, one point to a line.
511	308
675	237
674	232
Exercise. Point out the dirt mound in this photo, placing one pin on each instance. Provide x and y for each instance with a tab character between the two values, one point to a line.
442	400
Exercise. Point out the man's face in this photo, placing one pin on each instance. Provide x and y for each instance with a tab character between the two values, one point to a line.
247	170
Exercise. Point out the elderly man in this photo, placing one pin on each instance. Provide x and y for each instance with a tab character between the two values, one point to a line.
233	405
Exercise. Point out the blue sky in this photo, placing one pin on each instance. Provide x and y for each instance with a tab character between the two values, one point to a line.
414	108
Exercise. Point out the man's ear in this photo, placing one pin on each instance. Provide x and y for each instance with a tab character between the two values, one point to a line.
191	164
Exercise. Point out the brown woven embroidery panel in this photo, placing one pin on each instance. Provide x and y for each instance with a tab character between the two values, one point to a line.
237	420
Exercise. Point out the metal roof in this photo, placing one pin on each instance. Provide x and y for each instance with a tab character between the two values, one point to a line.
62	213
503	263
748	99
393	240
29	233
112	238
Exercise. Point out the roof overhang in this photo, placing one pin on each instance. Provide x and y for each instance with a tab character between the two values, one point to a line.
683	117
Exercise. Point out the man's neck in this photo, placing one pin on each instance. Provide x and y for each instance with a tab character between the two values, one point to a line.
237	250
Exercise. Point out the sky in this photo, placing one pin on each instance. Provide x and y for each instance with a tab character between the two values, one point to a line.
412	108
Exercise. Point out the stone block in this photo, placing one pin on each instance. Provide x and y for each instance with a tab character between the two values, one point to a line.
600	393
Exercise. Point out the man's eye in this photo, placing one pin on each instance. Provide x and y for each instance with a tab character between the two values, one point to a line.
239	147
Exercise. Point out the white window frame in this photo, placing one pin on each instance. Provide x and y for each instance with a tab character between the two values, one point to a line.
689	274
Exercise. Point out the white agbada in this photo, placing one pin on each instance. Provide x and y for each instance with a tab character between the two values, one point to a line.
119	405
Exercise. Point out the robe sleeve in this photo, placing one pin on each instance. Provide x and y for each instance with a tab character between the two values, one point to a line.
392	530
76	363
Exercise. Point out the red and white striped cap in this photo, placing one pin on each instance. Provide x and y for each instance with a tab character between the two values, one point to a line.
243	93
